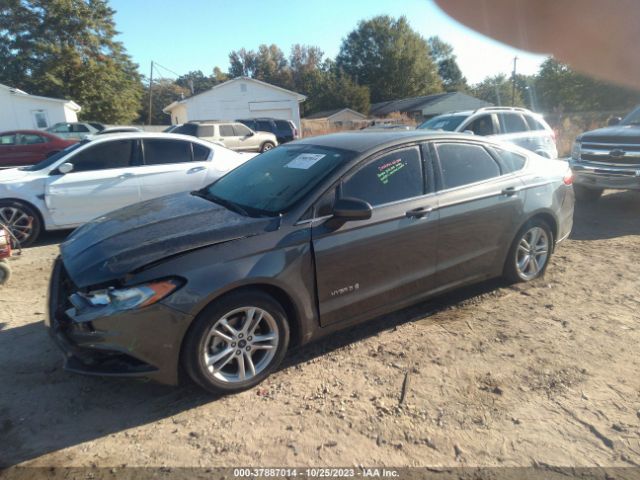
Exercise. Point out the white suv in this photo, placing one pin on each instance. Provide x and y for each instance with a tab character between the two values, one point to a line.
233	135
519	126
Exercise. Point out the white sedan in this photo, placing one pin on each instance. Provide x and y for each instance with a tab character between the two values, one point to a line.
104	173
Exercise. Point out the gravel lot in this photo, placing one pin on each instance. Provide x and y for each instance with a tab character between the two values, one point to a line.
544	373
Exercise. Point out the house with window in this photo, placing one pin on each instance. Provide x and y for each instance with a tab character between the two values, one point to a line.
19	110
241	97
339	116
427	106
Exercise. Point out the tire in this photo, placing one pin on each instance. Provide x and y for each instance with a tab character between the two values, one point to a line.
22	220
517	267
5	272
266	146
203	351
587	194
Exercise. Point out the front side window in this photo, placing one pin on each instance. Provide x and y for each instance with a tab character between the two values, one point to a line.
390	178
226	131
463	164
104	155
447	123
61	128
8	139
512	123
241	130
483	126
162	152
274	181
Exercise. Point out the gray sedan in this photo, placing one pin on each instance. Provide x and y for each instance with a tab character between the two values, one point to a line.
299	242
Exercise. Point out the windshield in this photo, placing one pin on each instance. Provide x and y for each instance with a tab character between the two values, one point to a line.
633	118
276	180
444	122
54	158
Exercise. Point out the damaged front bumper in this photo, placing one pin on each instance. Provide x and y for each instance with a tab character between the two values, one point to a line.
137	343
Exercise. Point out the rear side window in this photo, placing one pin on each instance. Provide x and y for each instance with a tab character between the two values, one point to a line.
31	139
390	178
226	131
8	139
160	152
263	126
79	128
534	123
186	129
104	155
283	125
200	153
463	163
512	123
483	125
509	161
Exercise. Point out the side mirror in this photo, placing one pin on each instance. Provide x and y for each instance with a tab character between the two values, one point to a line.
65	168
250	134
346	209
614	121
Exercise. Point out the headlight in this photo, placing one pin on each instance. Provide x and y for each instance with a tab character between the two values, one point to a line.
105	302
575	150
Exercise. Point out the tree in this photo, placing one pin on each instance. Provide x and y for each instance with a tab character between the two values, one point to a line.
196	82
390	58
268	64
448	69
560	89
67	49
164	93
497	90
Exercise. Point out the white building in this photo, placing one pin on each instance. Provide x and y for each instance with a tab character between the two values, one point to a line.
19	110
239	98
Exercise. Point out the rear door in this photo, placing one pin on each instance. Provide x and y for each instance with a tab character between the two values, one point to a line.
8	150
366	266
104	178
228	136
480	205
33	148
172	166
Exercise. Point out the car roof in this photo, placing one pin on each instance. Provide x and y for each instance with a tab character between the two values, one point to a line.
142	135
363	141
37	132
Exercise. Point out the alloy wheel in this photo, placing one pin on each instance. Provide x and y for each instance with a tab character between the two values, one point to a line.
241	344
532	253
18	221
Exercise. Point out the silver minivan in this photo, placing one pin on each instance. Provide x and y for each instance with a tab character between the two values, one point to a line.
519	126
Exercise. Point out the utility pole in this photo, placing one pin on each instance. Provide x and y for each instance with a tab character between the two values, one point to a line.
513	82
150	93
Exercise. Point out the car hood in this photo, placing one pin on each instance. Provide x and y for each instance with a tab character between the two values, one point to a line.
12	174
620	134
111	246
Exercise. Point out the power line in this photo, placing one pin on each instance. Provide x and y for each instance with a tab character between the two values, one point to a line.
167	69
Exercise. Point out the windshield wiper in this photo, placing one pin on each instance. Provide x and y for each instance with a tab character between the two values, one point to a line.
234	207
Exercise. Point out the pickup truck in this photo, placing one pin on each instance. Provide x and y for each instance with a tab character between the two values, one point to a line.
608	157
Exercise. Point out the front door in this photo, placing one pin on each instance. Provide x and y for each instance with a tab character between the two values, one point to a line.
364	267
245	138
33	148
104	178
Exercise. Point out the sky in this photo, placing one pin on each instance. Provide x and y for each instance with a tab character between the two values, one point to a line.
188	35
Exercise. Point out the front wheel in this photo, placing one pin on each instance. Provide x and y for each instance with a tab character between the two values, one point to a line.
266	146
21	220
530	252
587	194
5	272
236	342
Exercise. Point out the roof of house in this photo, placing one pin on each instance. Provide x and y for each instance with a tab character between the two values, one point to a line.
428	102
16	91
331	113
172	105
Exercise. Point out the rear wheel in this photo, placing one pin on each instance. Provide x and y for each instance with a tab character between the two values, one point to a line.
587	194
267	146
5	272
22	221
236	342
530	252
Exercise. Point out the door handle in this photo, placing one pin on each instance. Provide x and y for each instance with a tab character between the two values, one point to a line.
509	191
419	212
196	169
125	175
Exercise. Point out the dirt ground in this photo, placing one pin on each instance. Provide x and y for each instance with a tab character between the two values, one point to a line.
495	375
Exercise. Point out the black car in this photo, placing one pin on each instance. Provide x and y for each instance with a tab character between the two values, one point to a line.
608	157
296	243
284	130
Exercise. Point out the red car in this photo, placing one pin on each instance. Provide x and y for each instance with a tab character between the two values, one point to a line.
26	147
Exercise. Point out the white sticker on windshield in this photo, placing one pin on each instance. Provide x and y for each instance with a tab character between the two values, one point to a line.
305	160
